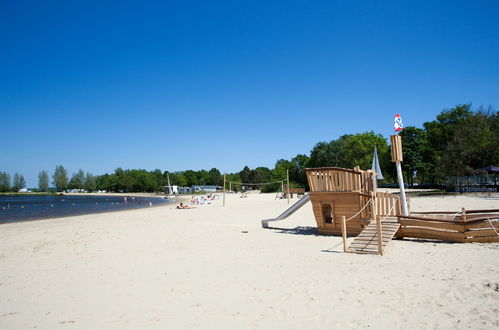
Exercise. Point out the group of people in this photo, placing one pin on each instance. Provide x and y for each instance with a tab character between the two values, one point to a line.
198	200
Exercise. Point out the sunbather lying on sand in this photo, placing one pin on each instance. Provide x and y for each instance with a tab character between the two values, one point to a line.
182	206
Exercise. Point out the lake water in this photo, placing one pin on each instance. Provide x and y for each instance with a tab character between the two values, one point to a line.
31	207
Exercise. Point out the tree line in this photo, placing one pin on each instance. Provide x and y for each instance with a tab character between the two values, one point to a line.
458	142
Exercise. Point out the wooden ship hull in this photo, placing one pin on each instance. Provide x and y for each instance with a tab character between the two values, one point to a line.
345	202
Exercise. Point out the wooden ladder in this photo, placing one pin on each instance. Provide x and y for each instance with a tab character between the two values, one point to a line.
367	241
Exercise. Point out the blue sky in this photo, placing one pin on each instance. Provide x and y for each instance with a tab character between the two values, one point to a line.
192	85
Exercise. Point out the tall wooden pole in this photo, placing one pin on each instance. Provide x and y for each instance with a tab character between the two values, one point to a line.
396	142
287	179
225	178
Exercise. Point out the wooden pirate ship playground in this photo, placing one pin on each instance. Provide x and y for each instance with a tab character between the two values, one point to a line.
346	202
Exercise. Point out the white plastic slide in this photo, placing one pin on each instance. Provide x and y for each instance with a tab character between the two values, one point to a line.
292	209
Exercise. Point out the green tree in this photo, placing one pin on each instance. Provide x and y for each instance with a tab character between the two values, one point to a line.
413	140
439	135
297	174
90	182
260	175
4	182
108	182
60	178
43	181
215	177
474	144
77	180
235	179
245	174
191	178
177	179
203	177
326	154
159	179
18	182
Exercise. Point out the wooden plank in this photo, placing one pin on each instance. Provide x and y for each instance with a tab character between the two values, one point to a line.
432	224
480	233
484	224
482	239
432	234
456	220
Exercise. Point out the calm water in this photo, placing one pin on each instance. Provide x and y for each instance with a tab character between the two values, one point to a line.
20	208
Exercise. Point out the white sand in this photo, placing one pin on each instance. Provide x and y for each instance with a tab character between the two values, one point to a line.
166	268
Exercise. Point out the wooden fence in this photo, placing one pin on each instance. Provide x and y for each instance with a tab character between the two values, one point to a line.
336	179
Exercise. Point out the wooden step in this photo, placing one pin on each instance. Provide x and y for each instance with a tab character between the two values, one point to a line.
367	241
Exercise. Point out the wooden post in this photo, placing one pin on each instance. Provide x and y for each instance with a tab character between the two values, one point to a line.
396	143
463	214
344	233
380	234
225	178
230	186
287	178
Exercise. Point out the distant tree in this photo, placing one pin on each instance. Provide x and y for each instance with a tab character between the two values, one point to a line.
90	182
325	154
245	174
215	177
177	179
158	178
260	175
235	179
4	182
203	177
60	178
77	180
191	178
474	144
18	182
108	182
43	181
439	135
297	174
413	140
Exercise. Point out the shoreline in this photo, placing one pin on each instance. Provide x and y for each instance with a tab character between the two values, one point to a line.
90	212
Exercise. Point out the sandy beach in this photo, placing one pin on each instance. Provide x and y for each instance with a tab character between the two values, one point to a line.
213	267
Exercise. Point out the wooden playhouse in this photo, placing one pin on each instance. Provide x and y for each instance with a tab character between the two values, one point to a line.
345	202
338	192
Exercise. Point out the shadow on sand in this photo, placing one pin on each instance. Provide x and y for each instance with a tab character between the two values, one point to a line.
300	230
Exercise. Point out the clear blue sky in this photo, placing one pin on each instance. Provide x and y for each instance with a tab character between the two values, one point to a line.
190	85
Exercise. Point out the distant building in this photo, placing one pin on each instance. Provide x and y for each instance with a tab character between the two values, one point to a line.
199	188
184	190
170	190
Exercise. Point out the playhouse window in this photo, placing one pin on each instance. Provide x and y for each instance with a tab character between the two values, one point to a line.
327	213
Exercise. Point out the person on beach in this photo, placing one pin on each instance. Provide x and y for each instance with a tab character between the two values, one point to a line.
182	206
